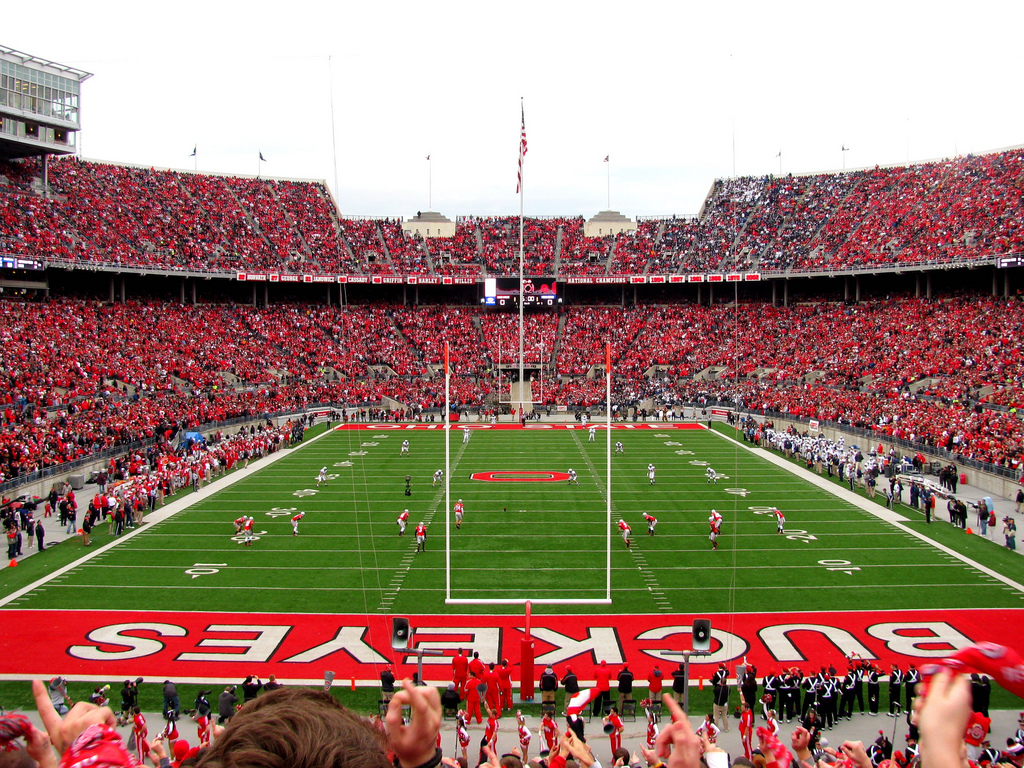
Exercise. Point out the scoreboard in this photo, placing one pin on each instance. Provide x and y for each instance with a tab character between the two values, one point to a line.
504	292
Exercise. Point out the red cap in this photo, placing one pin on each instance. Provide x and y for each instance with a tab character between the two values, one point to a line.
180	749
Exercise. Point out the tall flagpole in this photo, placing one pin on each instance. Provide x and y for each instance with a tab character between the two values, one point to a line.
522	302
334	135
608	470
447	478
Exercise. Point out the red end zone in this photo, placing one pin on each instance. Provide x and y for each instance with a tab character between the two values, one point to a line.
300	647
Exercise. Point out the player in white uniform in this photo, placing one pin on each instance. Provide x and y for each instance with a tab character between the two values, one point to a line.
403	519
780	520
650	473
572	477
592	435
711	475
295	523
405	448
583	419
619	448
465	436
438	476
322	477
459	512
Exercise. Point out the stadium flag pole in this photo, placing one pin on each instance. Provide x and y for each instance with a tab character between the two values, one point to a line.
608	472
519	189
447	477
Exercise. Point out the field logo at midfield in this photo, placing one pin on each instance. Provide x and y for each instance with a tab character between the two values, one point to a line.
521	476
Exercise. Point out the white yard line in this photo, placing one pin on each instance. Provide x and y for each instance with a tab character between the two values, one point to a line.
852	498
160	515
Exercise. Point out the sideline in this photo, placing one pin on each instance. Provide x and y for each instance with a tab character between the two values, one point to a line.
163	514
888	516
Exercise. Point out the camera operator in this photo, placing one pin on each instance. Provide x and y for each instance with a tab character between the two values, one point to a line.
251	687
202	704
129	698
171	703
226	704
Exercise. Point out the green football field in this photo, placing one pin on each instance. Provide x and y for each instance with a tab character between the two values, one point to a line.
532	539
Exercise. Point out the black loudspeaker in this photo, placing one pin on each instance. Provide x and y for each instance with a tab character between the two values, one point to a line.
701	635
401	634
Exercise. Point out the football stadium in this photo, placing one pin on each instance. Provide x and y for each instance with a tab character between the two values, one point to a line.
768	452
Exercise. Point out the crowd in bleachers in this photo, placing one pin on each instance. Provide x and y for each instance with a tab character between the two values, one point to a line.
80	376
940	212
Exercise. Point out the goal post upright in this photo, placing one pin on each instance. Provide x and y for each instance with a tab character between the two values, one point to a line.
608	471
447	477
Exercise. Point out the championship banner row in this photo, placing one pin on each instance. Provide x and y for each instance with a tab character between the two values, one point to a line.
273	277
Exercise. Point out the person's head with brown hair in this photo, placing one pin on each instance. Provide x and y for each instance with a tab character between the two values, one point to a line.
297	728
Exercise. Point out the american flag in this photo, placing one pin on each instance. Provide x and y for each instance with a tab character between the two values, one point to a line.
522	151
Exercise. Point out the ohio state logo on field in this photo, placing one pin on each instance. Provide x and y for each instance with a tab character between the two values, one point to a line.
520	476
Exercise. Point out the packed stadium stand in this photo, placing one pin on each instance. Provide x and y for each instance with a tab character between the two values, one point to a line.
86	370
949	211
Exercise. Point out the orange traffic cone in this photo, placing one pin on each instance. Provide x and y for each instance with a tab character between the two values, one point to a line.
12	563
969	531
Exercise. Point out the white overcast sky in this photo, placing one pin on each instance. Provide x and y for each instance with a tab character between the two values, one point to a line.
676	93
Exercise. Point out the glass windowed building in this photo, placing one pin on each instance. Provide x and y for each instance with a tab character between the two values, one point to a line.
40	109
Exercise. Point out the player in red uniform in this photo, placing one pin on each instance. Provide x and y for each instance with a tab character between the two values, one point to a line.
239	524
421	538
651	522
625	529
295	523
493	695
505	685
715	522
780	520
473	699
139	733
460	672
460	511
403	520
247	528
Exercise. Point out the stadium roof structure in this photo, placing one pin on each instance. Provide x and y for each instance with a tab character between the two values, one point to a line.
28	59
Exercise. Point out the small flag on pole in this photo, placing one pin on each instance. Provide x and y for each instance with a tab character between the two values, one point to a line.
780	153
262	158
194	148
428	157
522	149
607	158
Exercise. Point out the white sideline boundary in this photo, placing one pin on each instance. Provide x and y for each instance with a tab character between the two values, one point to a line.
163	514
860	502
